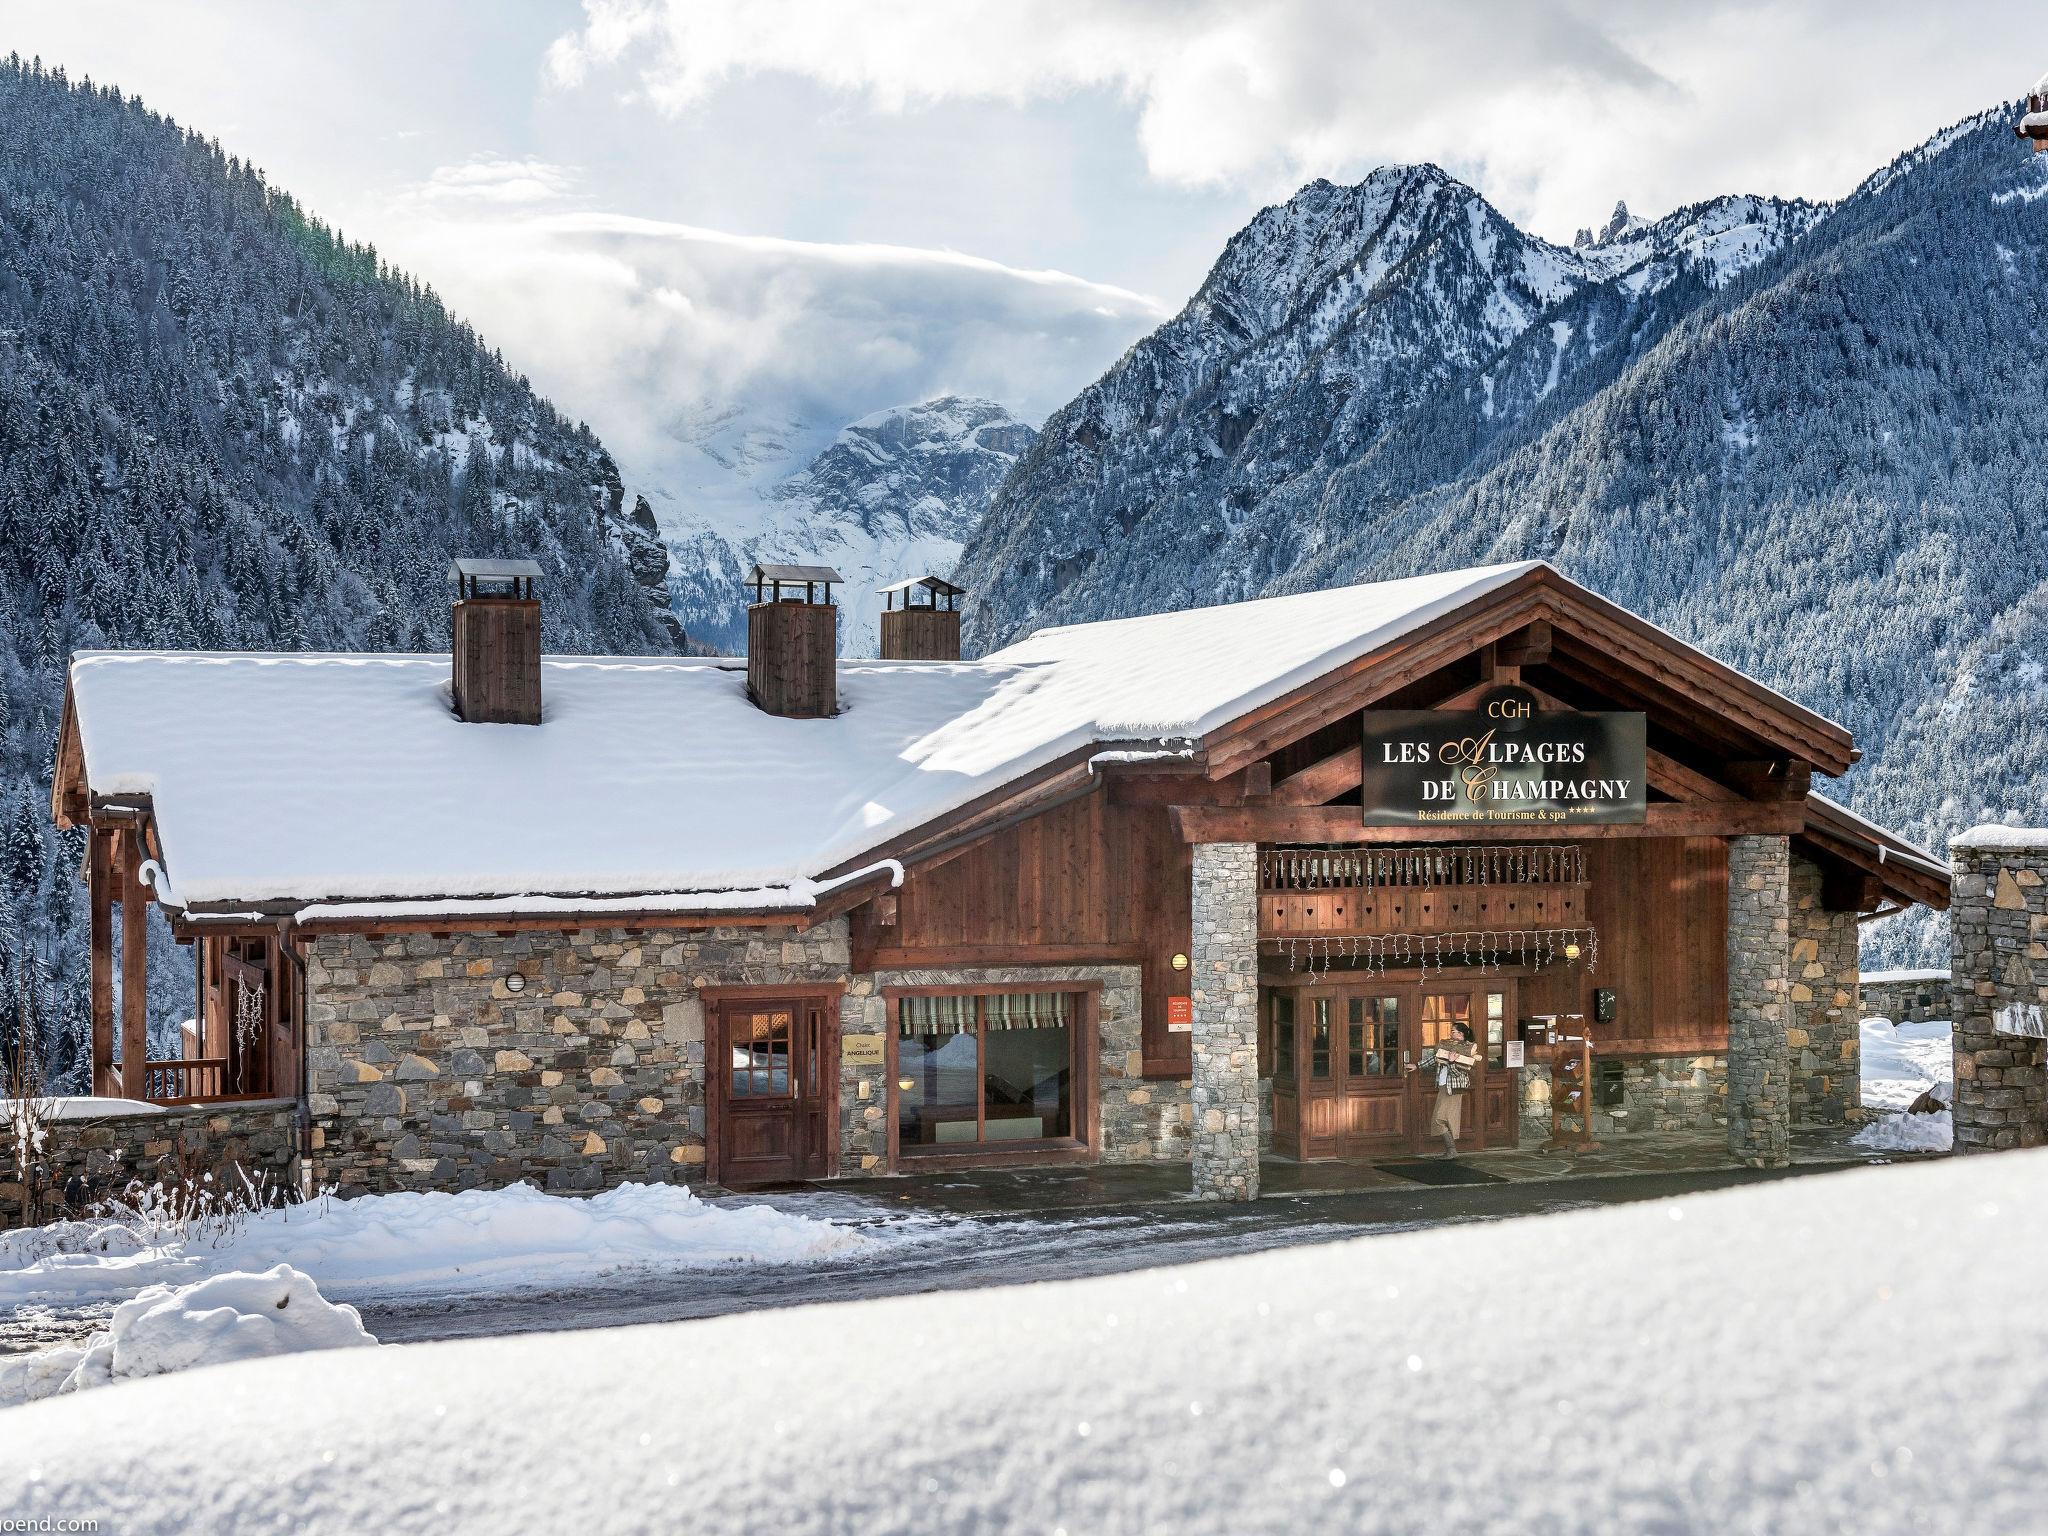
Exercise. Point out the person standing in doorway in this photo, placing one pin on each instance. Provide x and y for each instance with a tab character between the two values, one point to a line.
1453	1061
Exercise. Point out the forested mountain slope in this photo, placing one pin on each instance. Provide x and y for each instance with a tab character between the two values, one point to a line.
223	426
1823	467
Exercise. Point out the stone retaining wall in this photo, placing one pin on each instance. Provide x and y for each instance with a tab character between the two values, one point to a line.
1905	997
1659	1093
426	1070
1998	936
88	1160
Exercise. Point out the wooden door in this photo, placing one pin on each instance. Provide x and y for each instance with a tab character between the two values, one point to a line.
775	1107
1492	1111
1355	1096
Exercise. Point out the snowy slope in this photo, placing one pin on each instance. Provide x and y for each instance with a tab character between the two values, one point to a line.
893	494
1782	1357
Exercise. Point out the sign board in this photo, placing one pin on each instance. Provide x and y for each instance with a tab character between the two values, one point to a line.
1504	762
861	1050
1180	1014
1517	1055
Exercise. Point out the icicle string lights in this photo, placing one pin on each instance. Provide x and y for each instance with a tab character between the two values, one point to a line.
1490	950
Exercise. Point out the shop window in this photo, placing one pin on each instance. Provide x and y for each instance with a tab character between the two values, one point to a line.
993	1068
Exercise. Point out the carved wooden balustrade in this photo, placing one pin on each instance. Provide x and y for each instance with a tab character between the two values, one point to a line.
1420	889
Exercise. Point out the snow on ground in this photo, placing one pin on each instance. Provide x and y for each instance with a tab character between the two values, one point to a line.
1901	1062
477	1240
1790	1356
214	1322
78	1107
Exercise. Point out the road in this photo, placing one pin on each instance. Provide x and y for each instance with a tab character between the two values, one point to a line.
930	1253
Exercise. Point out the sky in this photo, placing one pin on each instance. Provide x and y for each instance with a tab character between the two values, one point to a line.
706	226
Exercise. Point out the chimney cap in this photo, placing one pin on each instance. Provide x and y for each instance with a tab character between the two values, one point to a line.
793	573
492	578
937	586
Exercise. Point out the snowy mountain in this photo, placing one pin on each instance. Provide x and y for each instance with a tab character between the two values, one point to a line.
895	494
1401	324
1807	439
223	426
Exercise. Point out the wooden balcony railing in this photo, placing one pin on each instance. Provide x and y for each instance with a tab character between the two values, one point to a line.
1419	890
185	1082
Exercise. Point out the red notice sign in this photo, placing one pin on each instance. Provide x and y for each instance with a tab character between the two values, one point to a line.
1180	1013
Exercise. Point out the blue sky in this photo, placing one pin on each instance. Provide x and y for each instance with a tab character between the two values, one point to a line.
667	209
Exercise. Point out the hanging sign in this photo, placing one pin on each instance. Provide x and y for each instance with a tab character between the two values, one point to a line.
1180	1014
1504	762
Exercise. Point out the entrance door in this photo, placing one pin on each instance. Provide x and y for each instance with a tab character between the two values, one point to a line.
1352	1087
774	1118
1342	1056
1492	1112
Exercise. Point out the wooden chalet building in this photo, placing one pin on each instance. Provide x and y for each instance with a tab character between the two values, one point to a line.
1193	887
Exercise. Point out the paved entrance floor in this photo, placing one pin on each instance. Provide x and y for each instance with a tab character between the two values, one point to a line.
1029	1191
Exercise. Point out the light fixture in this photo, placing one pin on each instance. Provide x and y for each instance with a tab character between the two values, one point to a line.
1180	962
515	982
1571	951
905	1084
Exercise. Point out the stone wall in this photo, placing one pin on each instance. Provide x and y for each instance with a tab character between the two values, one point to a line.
1759	943
426	1070
1824	1038
1225	976
1659	1093
1136	1119
88	1160
1905	997
1998	937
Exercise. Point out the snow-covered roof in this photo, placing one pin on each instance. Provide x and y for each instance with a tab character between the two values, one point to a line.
346	779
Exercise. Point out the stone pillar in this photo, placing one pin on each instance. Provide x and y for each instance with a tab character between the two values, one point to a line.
1825	1039
1759	1062
1998	954
1224	970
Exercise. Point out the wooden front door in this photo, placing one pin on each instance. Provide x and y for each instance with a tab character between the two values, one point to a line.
1342	1057
774	1097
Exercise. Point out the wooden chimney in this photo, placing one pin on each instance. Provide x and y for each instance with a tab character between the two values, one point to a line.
921	619
793	641
497	641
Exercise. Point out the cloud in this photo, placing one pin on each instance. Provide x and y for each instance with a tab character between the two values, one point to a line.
1554	107
708	360
489	178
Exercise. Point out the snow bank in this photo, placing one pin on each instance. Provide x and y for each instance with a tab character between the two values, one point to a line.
476	1240
81	1107
2001	837
1901	1062
1780	1357
1909	1133
217	1321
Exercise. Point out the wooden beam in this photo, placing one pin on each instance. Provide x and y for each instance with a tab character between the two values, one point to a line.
1773	778
1321	781
1258	780
1683	783
1344	824
1844	888
99	888
134	971
1526	647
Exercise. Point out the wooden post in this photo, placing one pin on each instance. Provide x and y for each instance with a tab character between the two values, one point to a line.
134	972
99	886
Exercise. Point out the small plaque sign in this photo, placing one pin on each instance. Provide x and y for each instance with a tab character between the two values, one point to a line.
861	1050
1516	1055
1180	1014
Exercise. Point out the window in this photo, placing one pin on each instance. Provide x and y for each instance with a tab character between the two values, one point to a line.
1319	1040
982	1069
1496	1029
1283	1038
760	1054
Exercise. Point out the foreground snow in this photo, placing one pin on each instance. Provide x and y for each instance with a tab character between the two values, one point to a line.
1787	1356
476	1240
215	1322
